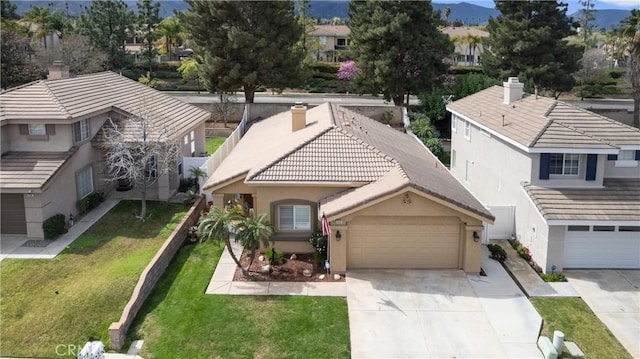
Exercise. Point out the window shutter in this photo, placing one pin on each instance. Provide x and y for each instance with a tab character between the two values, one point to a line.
592	165
24	129
637	155
51	129
544	166
615	157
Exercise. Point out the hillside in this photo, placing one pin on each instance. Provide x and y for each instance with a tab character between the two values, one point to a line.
605	19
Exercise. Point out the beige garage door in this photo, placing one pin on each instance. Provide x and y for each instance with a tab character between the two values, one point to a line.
12	213
404	242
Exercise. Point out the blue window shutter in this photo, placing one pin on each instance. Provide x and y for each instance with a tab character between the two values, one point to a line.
544	166
637	155
592	165
615	157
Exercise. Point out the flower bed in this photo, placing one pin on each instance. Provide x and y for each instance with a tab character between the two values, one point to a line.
525	254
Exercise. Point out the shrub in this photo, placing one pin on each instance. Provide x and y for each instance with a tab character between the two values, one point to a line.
54	226
319	242
274	256
553	277
89	202
498	253
387	117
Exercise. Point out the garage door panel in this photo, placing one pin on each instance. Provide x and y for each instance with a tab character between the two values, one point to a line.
602	250
383	244
13	220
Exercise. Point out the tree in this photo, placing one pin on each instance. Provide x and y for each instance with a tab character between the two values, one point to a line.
40	17
17	68
171	35
585	17
76	51
217	226
225	107
189	70
244	44
106	24
446	12
147	20
631	31
528	40
347	70
8	10
253	231
396	57
138	151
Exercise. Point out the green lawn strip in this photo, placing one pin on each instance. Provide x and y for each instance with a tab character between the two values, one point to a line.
180	321
212	143
579	324
93	277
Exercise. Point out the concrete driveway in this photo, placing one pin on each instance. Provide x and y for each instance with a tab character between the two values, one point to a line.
614	296
440	313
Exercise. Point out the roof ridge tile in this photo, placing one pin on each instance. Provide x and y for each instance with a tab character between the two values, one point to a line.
55	99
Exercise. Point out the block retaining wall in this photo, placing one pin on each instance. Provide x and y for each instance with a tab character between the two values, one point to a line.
151	274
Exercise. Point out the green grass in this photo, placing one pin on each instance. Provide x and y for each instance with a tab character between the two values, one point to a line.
180	321
579	324
212	143
66	300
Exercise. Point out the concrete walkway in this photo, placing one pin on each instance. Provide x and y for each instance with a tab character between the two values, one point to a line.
13	246
528	280
222	282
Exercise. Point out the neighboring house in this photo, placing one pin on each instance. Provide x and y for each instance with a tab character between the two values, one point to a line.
50	158
468	43
334	40
564	181
390	202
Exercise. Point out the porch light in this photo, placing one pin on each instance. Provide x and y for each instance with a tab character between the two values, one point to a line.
338	236
476	236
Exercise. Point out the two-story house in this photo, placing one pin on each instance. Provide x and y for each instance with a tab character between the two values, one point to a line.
562	180
334	40
50	156
468	42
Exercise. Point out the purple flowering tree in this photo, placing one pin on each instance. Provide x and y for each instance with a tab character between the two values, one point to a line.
347	70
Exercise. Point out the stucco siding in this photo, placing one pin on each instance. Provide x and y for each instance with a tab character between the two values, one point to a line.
569	180
611	171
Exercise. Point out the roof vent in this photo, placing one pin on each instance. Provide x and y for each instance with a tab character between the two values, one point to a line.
298	117
58	70
513	90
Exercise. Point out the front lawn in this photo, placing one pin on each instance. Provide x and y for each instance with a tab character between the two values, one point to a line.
51	305
180	321
573	317
212	144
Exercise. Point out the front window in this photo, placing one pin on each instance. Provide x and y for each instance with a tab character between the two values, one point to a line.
37	129
294	217
627	155
342	42
564	163
84	182
81	130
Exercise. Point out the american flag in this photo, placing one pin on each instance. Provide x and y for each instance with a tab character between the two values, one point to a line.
326	229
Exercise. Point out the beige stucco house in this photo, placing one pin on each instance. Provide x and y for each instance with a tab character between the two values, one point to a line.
389	201
562	180
469	44
334	40
50	156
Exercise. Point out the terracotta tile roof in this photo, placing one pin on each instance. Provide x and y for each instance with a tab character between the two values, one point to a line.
619	200
331	30
360	150
20	170
68	100
540	122
463	30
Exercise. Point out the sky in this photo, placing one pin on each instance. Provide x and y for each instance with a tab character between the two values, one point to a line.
574	5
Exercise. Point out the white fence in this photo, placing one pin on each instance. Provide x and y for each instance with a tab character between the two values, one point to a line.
505	224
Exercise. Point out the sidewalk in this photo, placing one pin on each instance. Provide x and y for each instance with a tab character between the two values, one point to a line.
22	247
222	282
528	280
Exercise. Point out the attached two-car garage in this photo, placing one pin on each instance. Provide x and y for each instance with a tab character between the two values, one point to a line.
404	242
602	247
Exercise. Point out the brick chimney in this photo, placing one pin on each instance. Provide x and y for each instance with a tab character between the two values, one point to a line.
512	90
298	117
58	70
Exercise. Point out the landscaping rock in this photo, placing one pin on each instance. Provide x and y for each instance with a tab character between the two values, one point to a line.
261	258
266	269
293	257
307	273
336	277
321	276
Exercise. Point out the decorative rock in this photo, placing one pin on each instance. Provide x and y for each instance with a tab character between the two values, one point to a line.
261	258
306	273
266	269
293	257
321	276
336	277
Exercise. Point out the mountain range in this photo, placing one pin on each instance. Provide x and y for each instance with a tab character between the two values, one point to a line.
465	12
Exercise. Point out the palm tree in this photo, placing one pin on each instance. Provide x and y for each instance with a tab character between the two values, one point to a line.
40	16
631	31
446	11
252	232
217	226
196	174
171	33
473	41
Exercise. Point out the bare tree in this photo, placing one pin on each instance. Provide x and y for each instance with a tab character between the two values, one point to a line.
139	150
225	108
75	51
